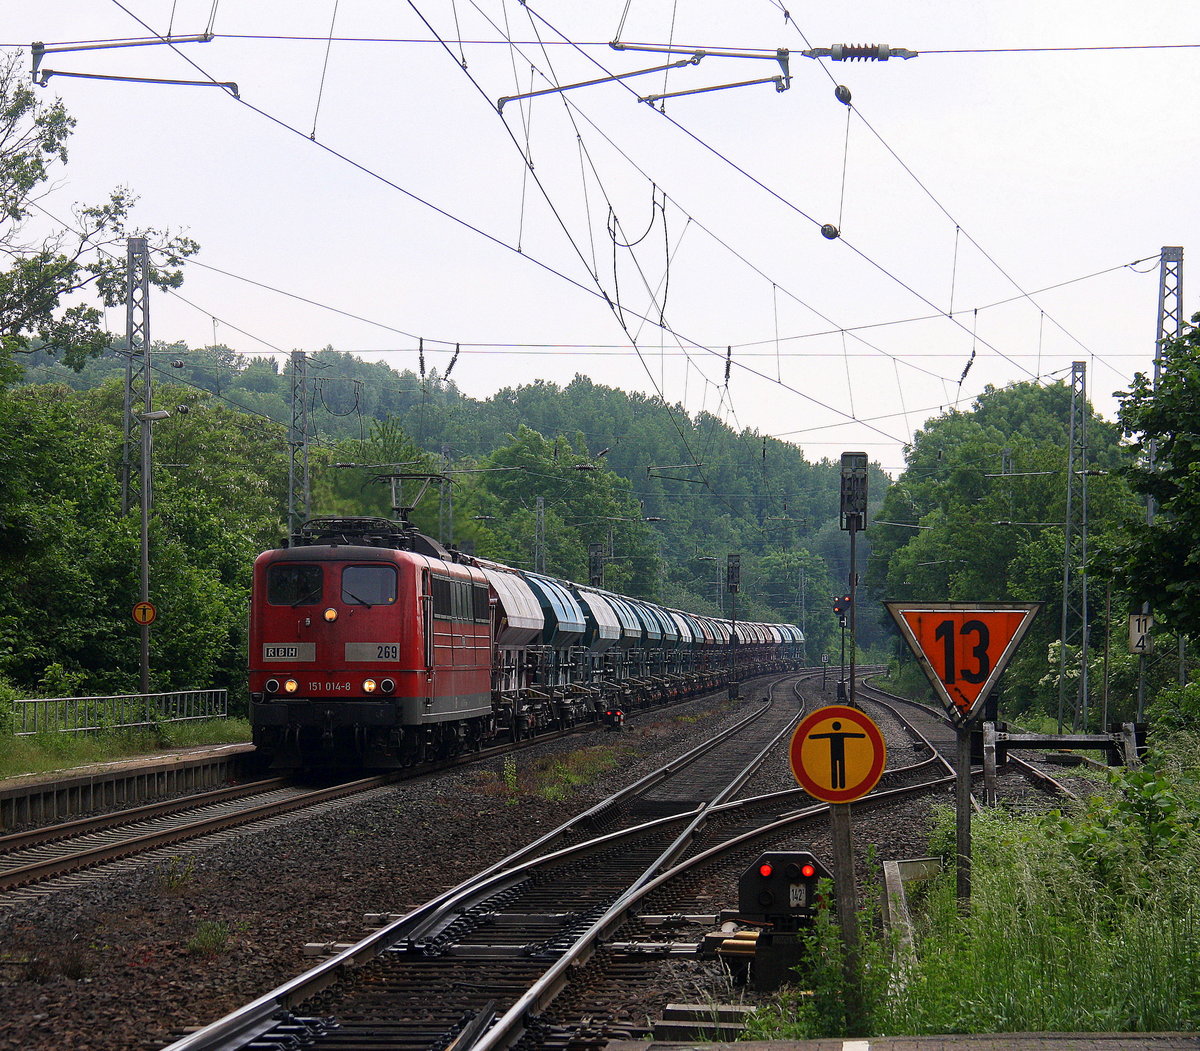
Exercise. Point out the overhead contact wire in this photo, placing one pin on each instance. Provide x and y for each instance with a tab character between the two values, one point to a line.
324	70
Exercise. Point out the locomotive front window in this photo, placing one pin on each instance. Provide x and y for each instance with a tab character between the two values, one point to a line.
369	585
293	585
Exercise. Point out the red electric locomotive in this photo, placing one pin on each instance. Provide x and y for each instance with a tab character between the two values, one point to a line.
368	640
372	646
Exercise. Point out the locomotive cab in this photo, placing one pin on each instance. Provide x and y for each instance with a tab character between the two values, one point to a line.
365	651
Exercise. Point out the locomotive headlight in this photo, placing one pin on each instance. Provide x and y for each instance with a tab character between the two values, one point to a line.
388	685
331	614
291	686
368	685
271	686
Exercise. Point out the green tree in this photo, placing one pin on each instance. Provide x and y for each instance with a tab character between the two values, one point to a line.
583	503
88	253
601	461
1160	561
354	478
799	589
69	559
65	551
978	516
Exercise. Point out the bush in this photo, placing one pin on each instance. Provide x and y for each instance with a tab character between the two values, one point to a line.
56	681
1175	708
1125	841
8	694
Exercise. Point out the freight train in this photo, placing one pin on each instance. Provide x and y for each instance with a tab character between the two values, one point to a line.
373	646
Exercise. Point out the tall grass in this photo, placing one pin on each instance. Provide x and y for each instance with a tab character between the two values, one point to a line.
1047	946
553	777
557	777
1079	922
44	752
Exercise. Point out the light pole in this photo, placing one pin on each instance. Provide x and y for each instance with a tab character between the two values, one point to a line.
147	420
804	614
854	520
598	556
733	582
841	606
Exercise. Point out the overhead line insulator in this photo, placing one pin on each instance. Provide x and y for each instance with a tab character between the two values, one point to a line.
859	52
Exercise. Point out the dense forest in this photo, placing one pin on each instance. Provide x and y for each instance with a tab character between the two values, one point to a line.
975	516
595	457
537	474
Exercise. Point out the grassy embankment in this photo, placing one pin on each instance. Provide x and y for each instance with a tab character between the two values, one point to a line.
45	752
1085	920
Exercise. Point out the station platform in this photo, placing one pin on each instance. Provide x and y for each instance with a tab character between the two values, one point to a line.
59	795
167	757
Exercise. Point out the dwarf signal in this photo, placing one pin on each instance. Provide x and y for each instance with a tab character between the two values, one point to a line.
781	888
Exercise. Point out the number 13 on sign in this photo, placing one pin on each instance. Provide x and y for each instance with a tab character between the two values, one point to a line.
974	637
963	646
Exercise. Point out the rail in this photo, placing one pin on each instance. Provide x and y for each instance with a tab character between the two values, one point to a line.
249	1022
123	711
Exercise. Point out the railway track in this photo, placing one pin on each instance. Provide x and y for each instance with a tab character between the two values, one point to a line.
618	982
34	857
510	936
1021	783
38	861
616	888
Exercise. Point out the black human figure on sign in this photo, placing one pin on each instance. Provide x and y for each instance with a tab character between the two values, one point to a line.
837	753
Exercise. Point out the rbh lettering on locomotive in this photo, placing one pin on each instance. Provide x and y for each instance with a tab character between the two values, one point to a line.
297	651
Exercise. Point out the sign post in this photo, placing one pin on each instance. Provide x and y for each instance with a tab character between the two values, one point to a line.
837	755
962	648
854	520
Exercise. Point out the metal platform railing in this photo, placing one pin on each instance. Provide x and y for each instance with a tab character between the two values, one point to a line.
124	711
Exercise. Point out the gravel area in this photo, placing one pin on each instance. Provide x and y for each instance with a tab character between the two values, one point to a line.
125	963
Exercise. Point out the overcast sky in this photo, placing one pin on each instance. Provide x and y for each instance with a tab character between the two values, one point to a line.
368	191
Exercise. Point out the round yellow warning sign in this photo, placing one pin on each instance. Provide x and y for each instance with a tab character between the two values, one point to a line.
144	612
837	754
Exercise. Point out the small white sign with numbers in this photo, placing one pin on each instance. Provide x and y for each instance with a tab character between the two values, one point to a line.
1139	633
